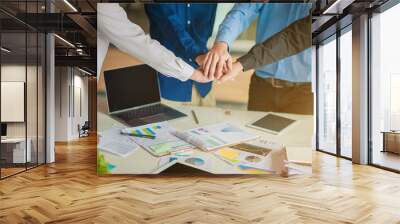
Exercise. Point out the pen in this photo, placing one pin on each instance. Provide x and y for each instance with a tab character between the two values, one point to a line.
195	117
140	136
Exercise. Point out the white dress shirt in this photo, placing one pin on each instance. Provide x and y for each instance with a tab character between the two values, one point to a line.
113	26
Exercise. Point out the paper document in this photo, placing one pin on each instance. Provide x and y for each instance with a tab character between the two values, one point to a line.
215	136
244	162
164	163
238	157
163	143
114	142
259	146
197	162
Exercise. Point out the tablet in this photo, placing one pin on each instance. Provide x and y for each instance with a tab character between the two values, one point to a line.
272	123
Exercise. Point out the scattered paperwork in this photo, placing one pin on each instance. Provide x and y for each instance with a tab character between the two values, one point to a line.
112	141
214	136
163	143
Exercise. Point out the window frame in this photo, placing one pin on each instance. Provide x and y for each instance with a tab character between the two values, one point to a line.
381	9
334	37
31	30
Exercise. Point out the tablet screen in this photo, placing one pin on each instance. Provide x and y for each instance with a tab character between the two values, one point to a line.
273	122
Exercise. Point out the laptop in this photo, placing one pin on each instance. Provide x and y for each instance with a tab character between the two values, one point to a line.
133	96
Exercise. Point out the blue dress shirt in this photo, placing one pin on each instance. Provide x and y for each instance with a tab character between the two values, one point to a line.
272	18
184	29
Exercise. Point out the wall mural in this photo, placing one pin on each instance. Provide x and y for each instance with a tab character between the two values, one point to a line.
168	75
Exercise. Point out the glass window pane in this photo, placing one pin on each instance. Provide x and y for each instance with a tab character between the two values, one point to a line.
346	94
13	86
41	99
327	97
22	76
385	87
32	87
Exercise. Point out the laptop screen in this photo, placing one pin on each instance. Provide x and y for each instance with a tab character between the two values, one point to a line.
131	87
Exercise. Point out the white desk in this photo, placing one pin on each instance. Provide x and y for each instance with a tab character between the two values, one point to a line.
19	155
297	139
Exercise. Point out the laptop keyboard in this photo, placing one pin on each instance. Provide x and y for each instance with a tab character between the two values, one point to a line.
142	112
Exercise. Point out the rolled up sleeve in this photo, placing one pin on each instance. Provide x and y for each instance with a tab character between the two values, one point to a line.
237	20
113	24
292	40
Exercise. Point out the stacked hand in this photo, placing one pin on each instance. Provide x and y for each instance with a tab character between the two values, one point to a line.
217	61
199	76
216	65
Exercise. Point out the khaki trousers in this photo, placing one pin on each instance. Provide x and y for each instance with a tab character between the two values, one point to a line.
268	94
197	100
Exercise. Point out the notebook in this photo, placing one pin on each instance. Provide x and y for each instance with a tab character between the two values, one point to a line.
215	136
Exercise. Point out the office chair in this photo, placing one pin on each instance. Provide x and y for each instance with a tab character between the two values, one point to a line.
84	130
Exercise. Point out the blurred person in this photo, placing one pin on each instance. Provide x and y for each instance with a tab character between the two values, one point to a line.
184	29
281	86
293	39
113	26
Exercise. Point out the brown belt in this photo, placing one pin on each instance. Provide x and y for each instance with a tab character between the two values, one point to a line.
279	83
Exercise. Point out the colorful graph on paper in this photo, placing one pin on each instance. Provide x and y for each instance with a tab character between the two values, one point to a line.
147	130
216	136
164	142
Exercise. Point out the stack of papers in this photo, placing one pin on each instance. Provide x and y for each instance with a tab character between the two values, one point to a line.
259	146
244	162
112	141
163	142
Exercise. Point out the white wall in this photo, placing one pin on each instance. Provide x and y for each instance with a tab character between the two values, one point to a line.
80	94
14	73
62	81
70	83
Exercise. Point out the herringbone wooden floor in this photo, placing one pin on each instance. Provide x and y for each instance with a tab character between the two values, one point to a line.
69	191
